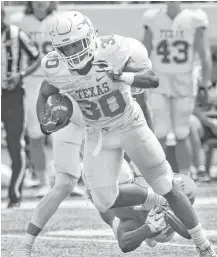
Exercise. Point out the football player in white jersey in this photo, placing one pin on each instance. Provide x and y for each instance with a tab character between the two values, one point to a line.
172	43
98	74
36	20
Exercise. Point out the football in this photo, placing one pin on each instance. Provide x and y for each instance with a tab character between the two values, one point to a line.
61	106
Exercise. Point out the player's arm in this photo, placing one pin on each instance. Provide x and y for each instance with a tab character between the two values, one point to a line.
201	44
130	234
139	75
142	100
147	39
32	51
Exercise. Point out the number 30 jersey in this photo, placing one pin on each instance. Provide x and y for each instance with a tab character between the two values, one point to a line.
105	104
39	30
173	50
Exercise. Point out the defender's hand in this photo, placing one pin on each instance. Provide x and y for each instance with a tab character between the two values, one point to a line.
103	66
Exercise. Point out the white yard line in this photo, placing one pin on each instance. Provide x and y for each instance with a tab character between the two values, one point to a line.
84	204
103	233
110	241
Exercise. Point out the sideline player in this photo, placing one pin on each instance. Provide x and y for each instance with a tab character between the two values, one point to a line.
36	19
173	42
98	75
132	226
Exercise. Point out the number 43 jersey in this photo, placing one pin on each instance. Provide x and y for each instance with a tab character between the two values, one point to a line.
173	52
105	104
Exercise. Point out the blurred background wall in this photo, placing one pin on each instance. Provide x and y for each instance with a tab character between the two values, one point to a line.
124	18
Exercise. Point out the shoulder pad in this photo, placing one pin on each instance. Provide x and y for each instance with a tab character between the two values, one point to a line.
50	64
114	49
149	16
200	18
138	52
16	18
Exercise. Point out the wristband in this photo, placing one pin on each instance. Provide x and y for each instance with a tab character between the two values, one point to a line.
128	77
44	132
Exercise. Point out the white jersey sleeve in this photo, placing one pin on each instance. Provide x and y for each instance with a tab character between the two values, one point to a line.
114	49
16	18
200	19
149	18
138	52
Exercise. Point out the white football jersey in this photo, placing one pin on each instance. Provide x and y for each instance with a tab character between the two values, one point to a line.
39	30
173	39
173	53
104	103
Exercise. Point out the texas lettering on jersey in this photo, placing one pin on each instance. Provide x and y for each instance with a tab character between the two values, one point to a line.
104	103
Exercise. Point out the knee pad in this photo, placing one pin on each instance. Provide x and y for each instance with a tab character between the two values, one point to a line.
160	178
104	197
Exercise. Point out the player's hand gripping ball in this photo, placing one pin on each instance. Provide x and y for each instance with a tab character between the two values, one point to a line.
59	110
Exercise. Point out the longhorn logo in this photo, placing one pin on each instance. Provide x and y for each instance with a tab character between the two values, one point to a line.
84	22
64	27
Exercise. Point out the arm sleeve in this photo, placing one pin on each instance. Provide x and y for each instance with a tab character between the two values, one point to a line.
148	18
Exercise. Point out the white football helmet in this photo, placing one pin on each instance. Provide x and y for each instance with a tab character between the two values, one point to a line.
74	28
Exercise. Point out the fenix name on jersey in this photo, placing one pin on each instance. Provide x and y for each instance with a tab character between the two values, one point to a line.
105	104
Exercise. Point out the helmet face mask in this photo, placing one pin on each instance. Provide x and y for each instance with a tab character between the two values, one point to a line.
73	38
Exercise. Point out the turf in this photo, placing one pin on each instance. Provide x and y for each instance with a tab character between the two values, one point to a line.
13	224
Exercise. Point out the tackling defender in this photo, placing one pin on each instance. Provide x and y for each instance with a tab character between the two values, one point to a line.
173	42
98	74
132	226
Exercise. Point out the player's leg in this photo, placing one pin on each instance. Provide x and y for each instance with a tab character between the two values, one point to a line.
183	108
14	120
36	138
161	115
161	107
145	151
196	133
66	154
101	172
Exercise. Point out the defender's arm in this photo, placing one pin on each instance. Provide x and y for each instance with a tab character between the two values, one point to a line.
203	49
139	75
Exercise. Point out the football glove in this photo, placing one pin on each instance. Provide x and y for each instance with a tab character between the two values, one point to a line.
103	66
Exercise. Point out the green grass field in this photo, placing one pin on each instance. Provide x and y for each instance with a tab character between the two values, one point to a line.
77	230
